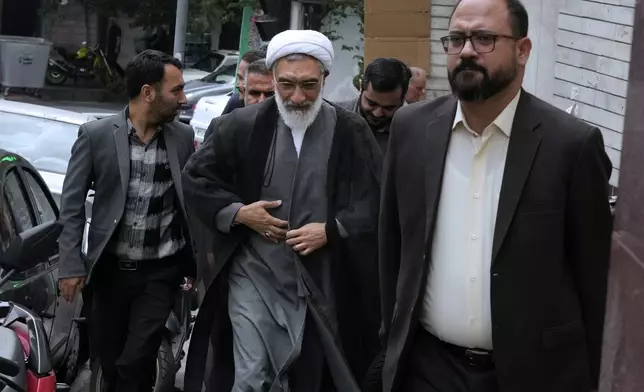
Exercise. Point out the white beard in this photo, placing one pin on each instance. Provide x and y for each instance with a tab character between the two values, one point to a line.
298	119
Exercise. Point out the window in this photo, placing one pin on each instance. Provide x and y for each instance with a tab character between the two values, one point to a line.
7	226
210	62
45	210
17	202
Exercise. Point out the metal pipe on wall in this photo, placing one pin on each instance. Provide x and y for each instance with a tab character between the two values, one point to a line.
297	13
180	26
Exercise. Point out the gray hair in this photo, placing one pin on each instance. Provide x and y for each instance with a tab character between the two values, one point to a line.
300	56
256	67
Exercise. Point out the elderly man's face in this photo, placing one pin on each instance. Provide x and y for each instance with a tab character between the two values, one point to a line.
258	88
490	58
241	71
416	90
299	82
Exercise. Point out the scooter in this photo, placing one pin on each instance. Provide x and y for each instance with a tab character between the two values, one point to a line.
87	63
25	357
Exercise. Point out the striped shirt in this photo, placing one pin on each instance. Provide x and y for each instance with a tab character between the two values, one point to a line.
150	227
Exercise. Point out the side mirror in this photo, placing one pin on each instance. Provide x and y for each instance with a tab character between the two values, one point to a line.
10	353
27	248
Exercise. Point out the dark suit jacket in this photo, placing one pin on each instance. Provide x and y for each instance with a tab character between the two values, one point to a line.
550	249
101	155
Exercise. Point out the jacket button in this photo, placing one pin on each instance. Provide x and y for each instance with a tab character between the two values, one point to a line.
496	274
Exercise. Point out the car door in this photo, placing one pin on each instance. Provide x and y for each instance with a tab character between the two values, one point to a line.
34	287
64	312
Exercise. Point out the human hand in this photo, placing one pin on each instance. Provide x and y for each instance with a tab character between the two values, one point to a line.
69	286
258	219
188	284
307	238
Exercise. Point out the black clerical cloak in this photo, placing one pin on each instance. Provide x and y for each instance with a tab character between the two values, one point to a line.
229	168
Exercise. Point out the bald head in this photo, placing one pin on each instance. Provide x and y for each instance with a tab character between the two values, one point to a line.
416	90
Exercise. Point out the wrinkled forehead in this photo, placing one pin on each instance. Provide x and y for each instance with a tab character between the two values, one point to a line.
259	80
301	68
480	15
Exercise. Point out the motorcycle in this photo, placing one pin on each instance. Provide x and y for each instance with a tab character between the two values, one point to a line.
87	62
25	358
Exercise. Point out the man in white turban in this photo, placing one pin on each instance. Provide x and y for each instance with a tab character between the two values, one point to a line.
290	188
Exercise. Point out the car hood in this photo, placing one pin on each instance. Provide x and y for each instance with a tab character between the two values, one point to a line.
190	74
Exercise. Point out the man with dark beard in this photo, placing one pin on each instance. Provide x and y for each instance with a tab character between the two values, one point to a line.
290	188
139	246
494	228
384	86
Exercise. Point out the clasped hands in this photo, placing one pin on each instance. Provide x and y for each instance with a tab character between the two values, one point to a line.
304	240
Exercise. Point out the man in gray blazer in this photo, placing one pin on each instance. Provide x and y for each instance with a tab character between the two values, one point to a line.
139	245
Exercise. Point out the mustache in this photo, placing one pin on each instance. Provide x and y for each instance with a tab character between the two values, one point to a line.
468	65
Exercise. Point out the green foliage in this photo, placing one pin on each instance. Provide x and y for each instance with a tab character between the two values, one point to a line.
204	12
151	13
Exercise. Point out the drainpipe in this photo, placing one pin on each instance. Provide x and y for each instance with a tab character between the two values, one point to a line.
297	15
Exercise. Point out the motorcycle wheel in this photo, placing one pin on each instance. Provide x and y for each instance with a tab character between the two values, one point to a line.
164	378
55	77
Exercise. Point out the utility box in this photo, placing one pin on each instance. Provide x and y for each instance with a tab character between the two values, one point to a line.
399	29
23	61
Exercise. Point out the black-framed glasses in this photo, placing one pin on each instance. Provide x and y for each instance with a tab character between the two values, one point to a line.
481	42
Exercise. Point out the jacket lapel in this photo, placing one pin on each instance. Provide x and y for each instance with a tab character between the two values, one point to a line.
173	159
122	149
437	136
524	143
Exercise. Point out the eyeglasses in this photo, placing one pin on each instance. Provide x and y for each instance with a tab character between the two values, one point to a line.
257	93
288	87
481	42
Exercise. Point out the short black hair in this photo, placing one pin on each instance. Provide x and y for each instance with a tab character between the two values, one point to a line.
386	75
258	67
147	67
253	55
518	15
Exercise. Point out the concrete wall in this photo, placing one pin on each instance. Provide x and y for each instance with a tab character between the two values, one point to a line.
592	56
437	84
67	26
339	84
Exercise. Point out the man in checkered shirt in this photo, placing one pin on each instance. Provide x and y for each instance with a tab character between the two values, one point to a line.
139	245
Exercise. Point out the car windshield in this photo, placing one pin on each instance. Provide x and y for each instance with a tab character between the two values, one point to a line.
224	75
43	142
209	62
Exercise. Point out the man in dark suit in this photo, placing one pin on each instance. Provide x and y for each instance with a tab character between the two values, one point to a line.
495	227
237	99
139	245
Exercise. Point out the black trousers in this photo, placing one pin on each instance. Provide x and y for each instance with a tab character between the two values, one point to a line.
434	366
130	308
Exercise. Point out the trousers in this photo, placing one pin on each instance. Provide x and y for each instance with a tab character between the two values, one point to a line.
129	312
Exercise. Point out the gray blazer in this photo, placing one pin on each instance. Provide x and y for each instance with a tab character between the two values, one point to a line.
101	155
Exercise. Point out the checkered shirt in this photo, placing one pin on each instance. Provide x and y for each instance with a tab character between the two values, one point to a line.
150	227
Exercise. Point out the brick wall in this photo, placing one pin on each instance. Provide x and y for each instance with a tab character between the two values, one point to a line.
440	12
592	56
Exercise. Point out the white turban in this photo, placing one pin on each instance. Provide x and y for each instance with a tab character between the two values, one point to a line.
309	42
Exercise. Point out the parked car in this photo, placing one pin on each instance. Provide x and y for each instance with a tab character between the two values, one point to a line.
26	205
43	136
206	110
220	82
211	62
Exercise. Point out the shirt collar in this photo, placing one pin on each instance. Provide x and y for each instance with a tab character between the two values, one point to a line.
503	121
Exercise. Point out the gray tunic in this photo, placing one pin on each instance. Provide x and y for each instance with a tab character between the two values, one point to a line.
270	290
